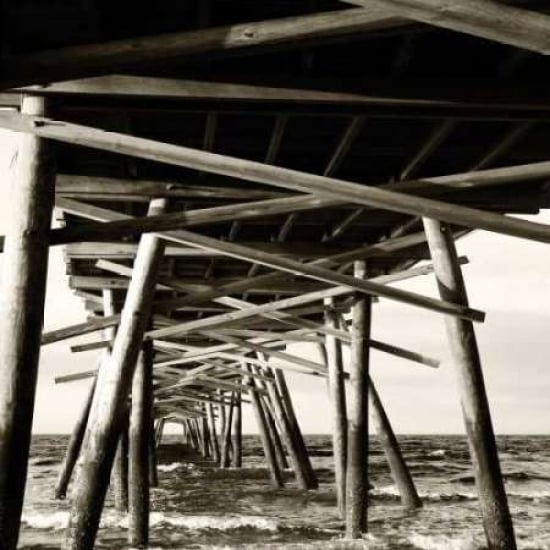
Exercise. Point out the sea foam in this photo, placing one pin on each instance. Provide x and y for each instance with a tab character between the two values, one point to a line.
60	520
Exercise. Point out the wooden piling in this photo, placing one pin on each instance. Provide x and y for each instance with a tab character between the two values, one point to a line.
398	467
300	461
141	411
120	469
153	473
493	503
356	468
159	433
205	435
225	458
296	434
236	458
269	450
105	425
337	395
73	448
273	433
213	435
23	290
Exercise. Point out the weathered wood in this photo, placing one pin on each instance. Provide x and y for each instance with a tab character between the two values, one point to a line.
120	468
83	60
400	473
73	448
80	329
105	424
298	440
237	435
337	395
483	18
141	413
23	289
357	453
213	435
174	220
205	436
267	444
273	433
100	344
153	473
475	407
225	455
367	195
301	468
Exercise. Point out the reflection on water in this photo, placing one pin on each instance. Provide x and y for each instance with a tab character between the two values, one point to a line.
199	506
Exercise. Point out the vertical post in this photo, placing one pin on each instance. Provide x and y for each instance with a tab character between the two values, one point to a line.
23	292
236	459
120	470
298	440
159	433
337	395
475	407
213	435
205	437
357	455
142	408
267	444
400	473
221	411
106	422
153	474
226	442
73	448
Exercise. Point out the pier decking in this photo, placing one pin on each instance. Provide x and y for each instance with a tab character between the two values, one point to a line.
231	177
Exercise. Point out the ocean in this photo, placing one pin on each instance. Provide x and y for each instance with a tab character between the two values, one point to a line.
198	506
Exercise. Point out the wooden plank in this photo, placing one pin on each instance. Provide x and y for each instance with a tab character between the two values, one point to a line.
309	270
292	179
483	18
90	59
79	329
174	220
68	185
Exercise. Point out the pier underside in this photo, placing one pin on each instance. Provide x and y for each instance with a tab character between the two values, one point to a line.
232	177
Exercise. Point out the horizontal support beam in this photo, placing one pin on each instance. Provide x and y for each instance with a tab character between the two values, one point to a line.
102	58
482	18
307	270
79	329
174	220
289	179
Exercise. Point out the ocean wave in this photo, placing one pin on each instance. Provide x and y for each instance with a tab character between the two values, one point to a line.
60	520
445	542
391	492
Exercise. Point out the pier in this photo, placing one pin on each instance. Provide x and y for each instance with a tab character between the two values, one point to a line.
230	178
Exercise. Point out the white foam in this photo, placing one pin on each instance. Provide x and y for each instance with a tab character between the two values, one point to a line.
170	467
438	452
392	491
60	520
445	542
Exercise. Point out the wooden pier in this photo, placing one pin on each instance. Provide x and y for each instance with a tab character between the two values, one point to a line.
234	177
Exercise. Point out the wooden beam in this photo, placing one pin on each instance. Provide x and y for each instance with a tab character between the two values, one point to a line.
174	220
495	21
294	180
309	270
80	329
83	60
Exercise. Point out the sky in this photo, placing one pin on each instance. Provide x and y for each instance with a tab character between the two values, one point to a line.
507	277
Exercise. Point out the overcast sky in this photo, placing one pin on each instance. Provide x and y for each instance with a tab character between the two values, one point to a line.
507	277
